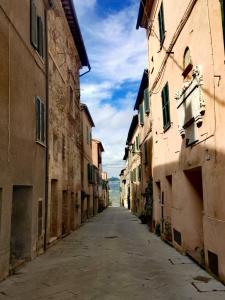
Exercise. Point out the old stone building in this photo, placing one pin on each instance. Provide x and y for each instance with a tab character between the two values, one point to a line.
186	88
66	56
22	131
87	203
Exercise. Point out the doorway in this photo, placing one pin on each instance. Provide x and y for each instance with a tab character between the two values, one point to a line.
21	224
195	239
54	208
65	211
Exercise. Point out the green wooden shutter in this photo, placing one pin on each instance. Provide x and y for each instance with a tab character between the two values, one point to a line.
161	24
146	100
222	2
38	120
166	106
137	142
33	24
42	123
40	37
141	114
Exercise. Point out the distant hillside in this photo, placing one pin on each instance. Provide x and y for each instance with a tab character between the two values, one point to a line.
114	179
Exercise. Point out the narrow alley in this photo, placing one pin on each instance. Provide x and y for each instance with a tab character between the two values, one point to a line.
112	256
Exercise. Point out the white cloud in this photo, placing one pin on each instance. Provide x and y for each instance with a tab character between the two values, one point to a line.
118	55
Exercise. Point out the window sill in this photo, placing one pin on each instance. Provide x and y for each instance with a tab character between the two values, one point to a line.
41	143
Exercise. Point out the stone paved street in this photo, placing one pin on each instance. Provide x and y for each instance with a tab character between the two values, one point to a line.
111	257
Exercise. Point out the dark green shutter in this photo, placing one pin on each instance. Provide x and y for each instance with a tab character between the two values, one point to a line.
38	120
40	37
137	142
146	100
33	24
222	2
165	106
141	114
42	123
161	24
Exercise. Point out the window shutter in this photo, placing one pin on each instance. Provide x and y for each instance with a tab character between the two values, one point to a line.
165	106
137	142
33	23
222	2
161	24
40	37
139	173
146	100
38	121
42	123
141	114
88	172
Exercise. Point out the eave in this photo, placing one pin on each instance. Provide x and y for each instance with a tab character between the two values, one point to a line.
143	86
72	20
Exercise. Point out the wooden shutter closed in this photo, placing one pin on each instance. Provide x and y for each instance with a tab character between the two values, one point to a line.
33	24
165	106
42	123
141	114
161	24
146	100
40	37
38	119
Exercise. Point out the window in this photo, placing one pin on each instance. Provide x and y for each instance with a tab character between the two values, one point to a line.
88	137
166	107
63	147
137	142
36	29
187	62
90	173
141	114
222	2
40	120
161	25
146	101
139	172
40	213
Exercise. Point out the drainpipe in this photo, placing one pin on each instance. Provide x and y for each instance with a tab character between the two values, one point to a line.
46	127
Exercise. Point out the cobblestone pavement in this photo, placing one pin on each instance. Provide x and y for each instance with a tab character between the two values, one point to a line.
111	257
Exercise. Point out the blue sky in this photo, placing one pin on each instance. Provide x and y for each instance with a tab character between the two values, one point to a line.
118	56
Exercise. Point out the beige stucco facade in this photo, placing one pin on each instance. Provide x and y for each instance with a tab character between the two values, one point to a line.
188	161
22	153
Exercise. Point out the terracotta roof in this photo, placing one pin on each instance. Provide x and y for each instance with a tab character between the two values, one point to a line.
72	20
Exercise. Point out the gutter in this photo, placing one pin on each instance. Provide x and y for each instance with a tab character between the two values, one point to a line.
89	70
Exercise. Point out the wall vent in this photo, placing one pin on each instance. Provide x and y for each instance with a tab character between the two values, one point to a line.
177	237
213	263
